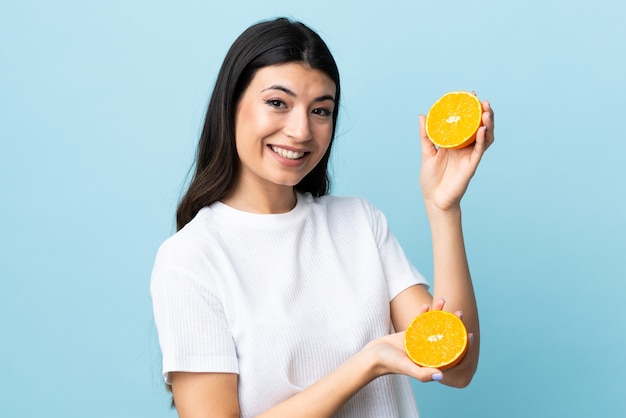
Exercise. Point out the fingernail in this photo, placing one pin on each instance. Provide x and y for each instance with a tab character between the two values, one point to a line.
437	377
471	338
461	314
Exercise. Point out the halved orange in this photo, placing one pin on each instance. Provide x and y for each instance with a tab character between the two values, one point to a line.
436	339
454	119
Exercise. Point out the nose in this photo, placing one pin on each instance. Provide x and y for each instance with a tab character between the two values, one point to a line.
298	126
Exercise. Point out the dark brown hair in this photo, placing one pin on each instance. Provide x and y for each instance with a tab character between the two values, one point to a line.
267	43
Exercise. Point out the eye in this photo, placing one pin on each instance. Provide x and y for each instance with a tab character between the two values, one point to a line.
322	111
277	103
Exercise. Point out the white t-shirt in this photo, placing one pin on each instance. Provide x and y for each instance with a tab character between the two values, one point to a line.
282	299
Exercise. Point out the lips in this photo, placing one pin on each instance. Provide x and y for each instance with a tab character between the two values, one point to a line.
288	154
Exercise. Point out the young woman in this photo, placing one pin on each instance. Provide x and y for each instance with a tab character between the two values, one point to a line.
275	299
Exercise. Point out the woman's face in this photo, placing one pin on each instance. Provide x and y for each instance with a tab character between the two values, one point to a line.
283	125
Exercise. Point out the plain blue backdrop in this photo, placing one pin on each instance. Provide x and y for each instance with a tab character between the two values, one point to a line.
101	104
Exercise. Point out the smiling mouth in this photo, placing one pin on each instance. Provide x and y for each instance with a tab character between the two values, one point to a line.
288	154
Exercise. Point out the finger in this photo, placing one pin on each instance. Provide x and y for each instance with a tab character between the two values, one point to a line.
427	374
488	109
488	121
438	304
480	145
425	308
428	148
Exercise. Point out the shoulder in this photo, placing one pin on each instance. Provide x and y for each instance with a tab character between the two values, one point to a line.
188	248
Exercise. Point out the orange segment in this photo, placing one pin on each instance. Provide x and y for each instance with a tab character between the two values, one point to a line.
454	119
436	339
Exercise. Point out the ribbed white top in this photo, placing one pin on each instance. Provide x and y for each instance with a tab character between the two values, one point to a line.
282	299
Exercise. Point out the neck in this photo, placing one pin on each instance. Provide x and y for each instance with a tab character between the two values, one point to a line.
278	200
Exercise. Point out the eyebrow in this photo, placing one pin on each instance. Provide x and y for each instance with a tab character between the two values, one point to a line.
293	94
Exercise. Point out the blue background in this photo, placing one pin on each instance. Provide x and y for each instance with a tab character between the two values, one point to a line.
101	104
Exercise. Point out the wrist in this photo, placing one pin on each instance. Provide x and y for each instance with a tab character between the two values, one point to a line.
369	362
437	212
380	357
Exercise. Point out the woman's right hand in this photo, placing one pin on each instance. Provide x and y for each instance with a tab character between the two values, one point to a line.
392	359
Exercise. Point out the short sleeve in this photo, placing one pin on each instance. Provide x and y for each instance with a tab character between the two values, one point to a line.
193	331
399	272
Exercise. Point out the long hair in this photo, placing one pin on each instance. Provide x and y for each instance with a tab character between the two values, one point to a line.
267	43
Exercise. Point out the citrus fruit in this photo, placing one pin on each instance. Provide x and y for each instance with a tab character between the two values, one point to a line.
436	339
454	119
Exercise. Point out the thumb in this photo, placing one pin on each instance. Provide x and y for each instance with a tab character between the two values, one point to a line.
428	148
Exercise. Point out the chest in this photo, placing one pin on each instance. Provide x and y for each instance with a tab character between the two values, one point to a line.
303	292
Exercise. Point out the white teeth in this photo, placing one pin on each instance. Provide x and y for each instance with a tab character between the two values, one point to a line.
291	155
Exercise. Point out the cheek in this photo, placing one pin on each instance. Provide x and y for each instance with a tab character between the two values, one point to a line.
324	134
248	126
256	124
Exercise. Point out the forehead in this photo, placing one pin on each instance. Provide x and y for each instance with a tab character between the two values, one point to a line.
298	77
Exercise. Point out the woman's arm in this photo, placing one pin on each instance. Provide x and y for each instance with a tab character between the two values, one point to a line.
444	178
325	397
200	395
203	395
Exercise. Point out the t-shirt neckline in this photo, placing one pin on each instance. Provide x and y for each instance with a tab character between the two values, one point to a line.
230	214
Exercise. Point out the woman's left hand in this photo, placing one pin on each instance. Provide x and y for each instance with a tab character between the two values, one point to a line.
446	173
